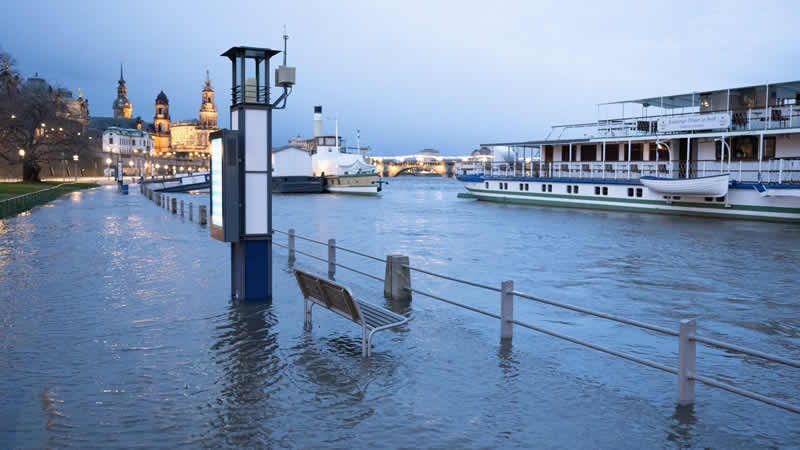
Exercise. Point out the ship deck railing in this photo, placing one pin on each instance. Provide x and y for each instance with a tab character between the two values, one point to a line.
773	171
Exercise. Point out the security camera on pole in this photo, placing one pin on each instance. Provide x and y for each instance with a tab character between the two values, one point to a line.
241	170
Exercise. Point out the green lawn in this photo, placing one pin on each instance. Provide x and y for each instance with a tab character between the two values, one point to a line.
9	190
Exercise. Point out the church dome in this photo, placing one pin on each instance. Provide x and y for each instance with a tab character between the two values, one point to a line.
162	99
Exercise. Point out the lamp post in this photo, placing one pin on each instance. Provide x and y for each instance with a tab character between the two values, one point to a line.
22	159
108	166
75	158
251	112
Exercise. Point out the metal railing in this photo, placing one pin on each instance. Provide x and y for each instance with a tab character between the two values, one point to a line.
768	171
687	335
24	202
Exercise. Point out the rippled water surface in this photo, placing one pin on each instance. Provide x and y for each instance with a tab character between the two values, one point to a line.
116	328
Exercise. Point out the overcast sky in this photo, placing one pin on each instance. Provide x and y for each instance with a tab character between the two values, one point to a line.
410	75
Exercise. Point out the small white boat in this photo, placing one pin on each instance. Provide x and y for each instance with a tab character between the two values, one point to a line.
713	186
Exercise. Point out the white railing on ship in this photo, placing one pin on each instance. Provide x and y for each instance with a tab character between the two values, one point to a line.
768	171
687	333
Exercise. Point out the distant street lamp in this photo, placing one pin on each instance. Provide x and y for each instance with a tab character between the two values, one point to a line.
75	158
108	166
22	156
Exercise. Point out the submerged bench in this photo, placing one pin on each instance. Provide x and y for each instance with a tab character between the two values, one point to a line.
337	298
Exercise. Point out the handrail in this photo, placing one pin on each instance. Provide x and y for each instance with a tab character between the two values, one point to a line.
36	192
635	323
692	337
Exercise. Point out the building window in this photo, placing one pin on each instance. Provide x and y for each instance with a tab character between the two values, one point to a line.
605	190
630	192
638	192
111	139
597	190
569	189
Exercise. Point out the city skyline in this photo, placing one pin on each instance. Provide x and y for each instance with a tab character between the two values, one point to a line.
447	76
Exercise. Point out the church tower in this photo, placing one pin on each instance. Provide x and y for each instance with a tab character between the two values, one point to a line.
208	112
161	123
122	107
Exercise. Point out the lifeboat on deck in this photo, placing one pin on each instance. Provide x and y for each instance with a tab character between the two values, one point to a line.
713	186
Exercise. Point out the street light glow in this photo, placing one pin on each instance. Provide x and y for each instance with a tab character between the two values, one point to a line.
74	157
22	152
108	160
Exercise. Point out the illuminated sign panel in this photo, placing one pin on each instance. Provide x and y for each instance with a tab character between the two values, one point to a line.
216	182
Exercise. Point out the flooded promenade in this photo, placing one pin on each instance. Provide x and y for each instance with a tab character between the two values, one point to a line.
117	328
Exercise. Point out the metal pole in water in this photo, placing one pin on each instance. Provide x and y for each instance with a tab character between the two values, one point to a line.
506	310
331	258
687	359
291	247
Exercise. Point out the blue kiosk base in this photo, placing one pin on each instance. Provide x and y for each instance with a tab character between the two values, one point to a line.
251	270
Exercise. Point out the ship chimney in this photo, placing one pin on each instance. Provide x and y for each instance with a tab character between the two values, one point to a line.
317	121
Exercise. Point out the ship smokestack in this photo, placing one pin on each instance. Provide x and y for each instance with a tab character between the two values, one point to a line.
317	121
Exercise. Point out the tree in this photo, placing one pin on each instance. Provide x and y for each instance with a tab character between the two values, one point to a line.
35	119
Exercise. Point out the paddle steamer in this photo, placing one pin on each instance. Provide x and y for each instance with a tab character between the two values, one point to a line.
730	153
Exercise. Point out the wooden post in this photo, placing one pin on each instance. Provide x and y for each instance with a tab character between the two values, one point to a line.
506	311
291	247
191	207
331	258
174	205
202	214
687	358
397	281
181	208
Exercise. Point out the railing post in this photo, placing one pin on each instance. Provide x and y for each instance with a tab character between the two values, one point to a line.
331	258
506	310
181	208
191	208
291	247
397	281
687	358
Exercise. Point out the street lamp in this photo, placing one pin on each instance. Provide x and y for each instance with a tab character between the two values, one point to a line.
75	158
108	166
22	156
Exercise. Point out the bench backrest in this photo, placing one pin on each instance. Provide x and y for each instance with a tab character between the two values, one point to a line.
335	297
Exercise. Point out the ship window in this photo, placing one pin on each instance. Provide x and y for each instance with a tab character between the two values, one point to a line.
544	188
638	192
630	192
721	199
597	190
506	187
676	197
549	188
605	190
575	189
569	189
526	186
520	187
709	199
487	185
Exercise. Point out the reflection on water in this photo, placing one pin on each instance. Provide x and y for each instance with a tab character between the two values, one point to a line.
116	328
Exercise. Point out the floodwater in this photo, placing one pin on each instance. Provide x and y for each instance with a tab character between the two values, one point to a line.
117	328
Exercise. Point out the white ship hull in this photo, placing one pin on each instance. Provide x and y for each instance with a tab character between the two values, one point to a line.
741	202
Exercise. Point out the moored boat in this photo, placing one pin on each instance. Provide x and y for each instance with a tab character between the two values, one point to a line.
727	153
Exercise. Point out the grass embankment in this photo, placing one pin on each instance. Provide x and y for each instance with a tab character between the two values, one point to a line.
46	193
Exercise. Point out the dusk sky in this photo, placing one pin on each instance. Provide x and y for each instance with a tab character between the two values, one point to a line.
410	75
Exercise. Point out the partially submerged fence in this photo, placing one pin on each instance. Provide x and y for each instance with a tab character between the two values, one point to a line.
397	285
24	202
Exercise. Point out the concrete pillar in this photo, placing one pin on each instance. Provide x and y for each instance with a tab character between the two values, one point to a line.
687	358
398	278
506	311
174	205
181	208
202	215
331	258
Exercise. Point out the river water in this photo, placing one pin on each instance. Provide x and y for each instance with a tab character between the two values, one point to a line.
117	328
